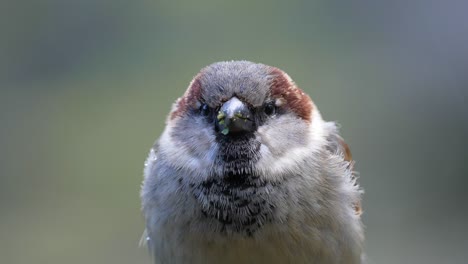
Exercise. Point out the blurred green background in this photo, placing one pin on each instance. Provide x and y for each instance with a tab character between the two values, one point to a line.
85	87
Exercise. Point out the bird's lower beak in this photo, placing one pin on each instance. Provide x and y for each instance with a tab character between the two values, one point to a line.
235	117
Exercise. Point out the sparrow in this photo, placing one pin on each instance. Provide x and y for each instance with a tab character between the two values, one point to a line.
247	171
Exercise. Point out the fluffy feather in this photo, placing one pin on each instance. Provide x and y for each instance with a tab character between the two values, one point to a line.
285	193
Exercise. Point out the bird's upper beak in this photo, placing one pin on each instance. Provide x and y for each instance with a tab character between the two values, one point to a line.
235	117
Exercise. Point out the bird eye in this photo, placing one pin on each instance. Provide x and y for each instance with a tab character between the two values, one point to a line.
204	109
270	109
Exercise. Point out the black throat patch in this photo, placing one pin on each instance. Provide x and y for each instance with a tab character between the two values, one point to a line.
237	155
234	196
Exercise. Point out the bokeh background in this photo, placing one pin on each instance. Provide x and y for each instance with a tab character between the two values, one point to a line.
85	87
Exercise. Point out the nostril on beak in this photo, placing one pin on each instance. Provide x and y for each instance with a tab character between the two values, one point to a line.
235	117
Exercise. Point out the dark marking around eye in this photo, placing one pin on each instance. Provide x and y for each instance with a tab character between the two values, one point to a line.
205	109
270	109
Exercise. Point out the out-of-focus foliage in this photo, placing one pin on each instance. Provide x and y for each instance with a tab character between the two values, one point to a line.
85	87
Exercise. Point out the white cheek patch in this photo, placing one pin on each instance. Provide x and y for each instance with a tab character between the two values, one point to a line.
272	163
180	157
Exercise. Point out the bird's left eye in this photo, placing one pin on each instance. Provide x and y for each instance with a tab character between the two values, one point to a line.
204	109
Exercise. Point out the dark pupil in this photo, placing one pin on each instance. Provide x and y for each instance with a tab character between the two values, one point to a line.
269	109
204	109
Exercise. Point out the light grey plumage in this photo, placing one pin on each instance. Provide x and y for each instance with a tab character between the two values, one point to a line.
280	190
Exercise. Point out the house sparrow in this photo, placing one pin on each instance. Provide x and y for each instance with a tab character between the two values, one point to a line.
246	171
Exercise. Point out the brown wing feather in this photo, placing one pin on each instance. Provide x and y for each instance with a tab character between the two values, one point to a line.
349	158
338	146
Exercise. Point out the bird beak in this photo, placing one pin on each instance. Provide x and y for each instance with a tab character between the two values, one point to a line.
235	117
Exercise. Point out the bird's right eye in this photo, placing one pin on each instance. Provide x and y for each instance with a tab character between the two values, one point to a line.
204	110
270	109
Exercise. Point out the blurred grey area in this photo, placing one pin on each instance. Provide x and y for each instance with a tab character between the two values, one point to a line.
85	87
